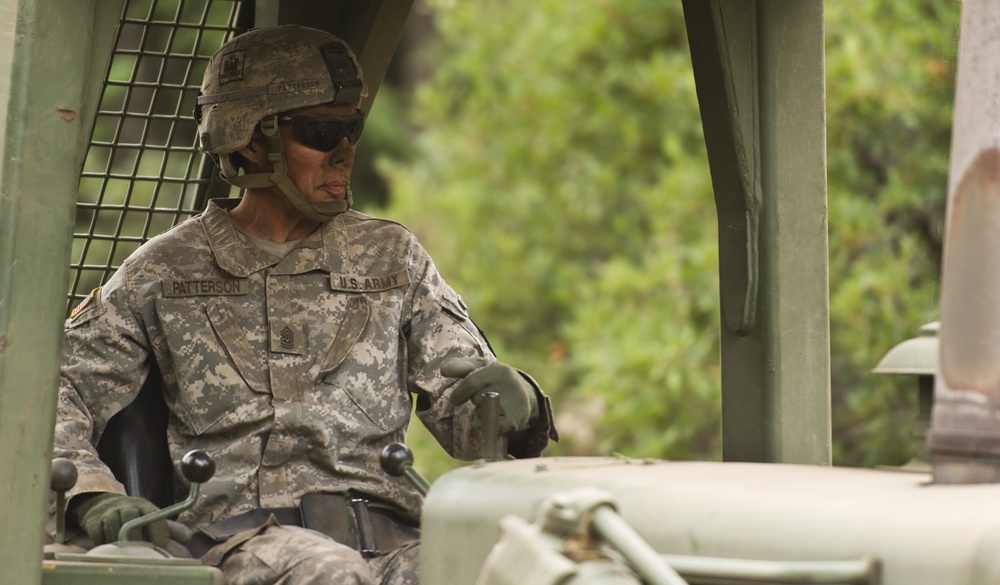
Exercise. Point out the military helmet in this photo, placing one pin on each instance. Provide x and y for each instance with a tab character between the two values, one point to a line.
267	71
260	74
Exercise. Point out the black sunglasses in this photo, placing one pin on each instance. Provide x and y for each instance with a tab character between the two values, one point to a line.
324	134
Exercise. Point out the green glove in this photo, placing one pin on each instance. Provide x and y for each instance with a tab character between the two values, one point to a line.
103	515
518	404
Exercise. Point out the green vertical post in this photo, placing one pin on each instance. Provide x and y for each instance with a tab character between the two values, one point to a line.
47	104
796	329
759	68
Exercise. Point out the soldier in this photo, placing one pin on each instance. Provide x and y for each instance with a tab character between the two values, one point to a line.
293	335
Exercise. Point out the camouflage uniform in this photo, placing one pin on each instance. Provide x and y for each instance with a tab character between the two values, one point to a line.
292	373
295	556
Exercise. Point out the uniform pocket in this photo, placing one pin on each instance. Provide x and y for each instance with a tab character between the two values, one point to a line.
365	356
237	346
348	333
215	367
363	364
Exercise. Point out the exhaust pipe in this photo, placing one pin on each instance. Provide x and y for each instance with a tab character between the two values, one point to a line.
964	440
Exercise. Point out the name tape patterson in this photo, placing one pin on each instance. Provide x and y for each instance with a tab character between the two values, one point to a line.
197	288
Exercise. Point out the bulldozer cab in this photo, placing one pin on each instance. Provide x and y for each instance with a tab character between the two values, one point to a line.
98	155
119	113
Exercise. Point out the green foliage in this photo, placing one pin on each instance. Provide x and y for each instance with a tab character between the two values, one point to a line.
563	190
562	187
890	82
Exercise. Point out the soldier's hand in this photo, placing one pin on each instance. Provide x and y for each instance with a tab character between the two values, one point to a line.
518	404
102	515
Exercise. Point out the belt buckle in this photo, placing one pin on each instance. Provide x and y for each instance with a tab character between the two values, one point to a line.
366	531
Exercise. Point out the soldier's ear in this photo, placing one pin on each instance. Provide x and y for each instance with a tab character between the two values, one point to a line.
255	152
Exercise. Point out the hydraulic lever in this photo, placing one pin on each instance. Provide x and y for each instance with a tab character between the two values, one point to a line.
396	459
197	467
494	445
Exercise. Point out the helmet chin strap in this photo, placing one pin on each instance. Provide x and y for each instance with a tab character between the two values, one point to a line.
321	212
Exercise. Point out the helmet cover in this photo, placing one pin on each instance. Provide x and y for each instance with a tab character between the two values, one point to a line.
267	71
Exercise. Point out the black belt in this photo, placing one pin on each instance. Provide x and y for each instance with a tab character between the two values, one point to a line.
353	521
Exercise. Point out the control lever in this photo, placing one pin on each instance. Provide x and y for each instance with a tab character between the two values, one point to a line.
63	478
494	445
396	459
197	467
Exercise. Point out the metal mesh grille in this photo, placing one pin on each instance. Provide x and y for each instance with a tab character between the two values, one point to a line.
143	173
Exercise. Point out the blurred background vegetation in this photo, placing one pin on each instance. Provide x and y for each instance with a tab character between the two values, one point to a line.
552	162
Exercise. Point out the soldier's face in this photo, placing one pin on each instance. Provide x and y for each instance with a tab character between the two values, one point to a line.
319	175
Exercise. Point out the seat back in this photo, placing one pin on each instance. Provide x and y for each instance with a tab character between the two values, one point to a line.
134	445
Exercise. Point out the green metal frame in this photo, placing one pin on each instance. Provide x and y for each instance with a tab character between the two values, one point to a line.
47	111
759	70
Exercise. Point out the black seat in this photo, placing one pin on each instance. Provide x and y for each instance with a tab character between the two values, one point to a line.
134	445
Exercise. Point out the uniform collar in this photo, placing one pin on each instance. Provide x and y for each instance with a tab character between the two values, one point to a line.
241	260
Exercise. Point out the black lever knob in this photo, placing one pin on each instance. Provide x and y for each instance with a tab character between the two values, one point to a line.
63	478
197	466
395	459
64	475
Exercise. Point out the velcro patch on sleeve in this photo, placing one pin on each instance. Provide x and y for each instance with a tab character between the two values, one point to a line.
358	283
89	308
84	303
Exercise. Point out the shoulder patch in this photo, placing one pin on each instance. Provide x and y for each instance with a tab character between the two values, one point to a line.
88	308
84	303
453	303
